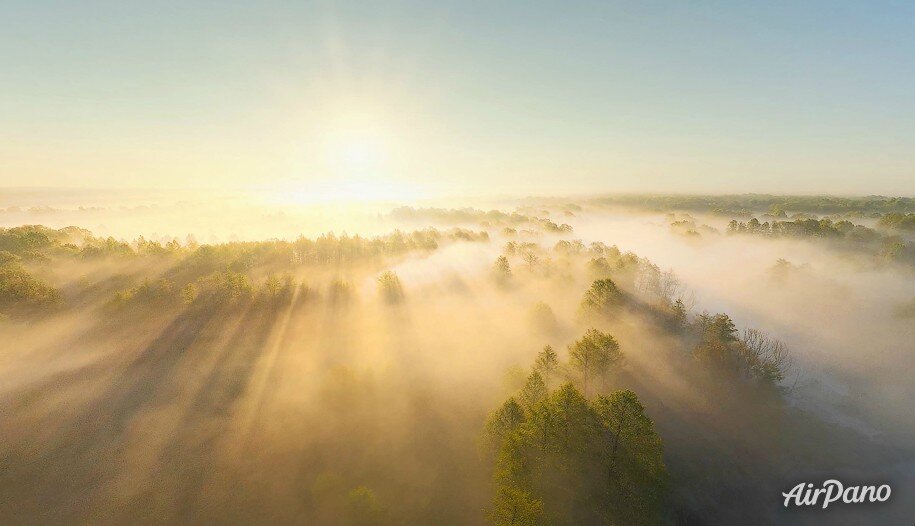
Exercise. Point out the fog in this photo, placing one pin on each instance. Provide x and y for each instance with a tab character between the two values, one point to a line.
836	313
290	382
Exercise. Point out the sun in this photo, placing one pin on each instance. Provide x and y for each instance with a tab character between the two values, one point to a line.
357	164
355	151
358	144
359	153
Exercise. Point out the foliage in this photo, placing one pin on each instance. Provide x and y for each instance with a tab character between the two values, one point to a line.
884	247
501	423
603	298
502	271
276	291
516	507
574	462
148	292
593	356
390	288
542	318
752	357
20	292
533	392
746	204
474	216
898	221
546	364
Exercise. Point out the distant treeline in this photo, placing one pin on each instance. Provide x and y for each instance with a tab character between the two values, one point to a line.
474	216
777	205
898	221
886	247
190	270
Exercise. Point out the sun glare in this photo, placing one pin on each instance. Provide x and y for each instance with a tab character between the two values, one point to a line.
357	144
359	154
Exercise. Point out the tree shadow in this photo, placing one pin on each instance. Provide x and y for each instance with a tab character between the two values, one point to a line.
56	480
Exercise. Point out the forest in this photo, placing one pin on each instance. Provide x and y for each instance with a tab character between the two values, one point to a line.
612	360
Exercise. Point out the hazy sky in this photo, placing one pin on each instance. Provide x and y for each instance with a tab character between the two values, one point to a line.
416	98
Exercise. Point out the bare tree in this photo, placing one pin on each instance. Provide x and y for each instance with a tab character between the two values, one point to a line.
767	357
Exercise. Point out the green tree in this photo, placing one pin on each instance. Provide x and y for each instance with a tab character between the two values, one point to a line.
547	362
594	355
602	298
717	348
21	293
502	423
636	475
575	463
515	507
599	268
534	391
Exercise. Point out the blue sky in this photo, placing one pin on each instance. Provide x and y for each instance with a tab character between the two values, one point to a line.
460	96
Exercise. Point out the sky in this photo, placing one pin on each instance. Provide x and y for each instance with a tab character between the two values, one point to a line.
410	99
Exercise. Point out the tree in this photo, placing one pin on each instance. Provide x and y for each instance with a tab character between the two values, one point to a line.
515	507
636	475
767	358
648	280
20	292
718	345
543	319
602	298
339	293
572	418
502	271
669	286
189	293
753	356
228	286
272	287
501	423
781	270
599	268
390	288
530	258
776	211
679	313
534	391
573	462
547	362
593	355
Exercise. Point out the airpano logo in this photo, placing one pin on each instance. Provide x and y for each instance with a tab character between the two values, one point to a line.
832	491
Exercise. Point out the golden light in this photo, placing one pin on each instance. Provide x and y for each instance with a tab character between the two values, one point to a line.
357	143
358	154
